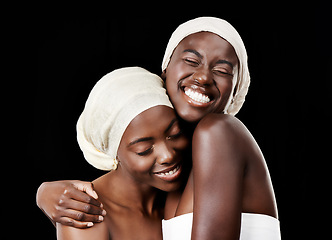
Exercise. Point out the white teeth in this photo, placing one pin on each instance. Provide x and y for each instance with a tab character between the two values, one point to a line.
196	96
170	172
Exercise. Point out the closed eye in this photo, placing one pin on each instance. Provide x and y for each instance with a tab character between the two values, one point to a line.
146	152
174	136
192	62
221	72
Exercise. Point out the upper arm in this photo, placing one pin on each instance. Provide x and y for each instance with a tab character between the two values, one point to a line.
218	167
98	231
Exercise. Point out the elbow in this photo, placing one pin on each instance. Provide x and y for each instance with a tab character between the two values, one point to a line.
39	192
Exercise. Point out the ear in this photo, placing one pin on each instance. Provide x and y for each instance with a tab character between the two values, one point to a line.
163	75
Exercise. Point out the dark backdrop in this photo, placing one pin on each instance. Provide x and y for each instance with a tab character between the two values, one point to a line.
286	108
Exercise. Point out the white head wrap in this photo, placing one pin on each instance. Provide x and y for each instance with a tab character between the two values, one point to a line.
115	100
241	79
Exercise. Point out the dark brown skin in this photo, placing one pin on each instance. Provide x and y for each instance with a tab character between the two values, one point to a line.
76	203
207	61
230	177
133	194
229	170
182	71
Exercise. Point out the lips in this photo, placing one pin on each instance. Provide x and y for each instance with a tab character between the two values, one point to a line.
196	96
169	174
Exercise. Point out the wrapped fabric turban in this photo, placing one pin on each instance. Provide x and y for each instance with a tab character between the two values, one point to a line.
115	100
241	79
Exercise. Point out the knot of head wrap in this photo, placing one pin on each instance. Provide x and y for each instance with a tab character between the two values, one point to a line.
115	100
241	79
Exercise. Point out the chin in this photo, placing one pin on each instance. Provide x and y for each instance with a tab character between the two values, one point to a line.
192	118
191	115
170	187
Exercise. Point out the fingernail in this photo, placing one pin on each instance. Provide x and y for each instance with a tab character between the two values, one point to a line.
90	224
103	213
101	205
95	195
100	218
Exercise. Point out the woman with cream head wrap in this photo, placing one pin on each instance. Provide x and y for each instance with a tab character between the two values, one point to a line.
236	72
113	102
230	194
129	126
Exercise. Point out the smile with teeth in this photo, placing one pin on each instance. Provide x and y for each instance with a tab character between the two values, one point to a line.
171	172
170	175
197	96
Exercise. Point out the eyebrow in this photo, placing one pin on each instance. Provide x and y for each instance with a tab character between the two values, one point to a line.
170	125
200	56
146	139
225	62
194	52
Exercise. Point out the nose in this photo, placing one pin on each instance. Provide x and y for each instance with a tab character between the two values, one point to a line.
165	154
203	77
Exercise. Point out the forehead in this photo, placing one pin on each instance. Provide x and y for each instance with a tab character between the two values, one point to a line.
209	45
150	121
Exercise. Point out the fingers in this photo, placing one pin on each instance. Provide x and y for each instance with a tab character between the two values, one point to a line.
78	195
86	187
78	209
72	214
79	216
71	202
77	224
83	207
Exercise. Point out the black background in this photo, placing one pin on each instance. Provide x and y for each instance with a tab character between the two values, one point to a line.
287	108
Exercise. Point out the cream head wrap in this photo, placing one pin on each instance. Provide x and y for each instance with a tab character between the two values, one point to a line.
115	100
241	79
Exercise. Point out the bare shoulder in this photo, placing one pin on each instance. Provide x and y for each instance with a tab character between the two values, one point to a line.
221	122
219	130
98	231
223	125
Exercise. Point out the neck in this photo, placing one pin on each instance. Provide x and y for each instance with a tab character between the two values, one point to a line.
188	127
131	194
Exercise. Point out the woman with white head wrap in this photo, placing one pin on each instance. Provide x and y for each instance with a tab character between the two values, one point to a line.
129	126
220	27
114	101
224	197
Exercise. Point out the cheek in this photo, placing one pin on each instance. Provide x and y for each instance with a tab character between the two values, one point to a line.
143	165
173	78
136	165
172	90
175	71
171	81
225	89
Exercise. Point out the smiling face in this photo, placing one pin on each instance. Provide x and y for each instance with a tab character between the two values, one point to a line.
151	148
199	75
